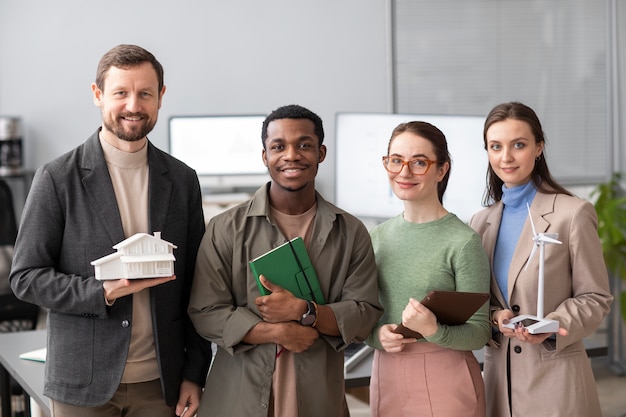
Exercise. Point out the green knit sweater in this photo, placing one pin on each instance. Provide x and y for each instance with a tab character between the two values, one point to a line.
413	259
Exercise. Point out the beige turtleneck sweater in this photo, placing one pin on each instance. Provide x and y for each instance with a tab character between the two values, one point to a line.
129	174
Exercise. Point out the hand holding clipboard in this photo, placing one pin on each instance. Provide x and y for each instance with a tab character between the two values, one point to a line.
451	308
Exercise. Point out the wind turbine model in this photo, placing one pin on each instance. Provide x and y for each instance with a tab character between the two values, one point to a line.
537	324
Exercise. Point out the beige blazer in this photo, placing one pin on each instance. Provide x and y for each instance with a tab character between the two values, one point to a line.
555	378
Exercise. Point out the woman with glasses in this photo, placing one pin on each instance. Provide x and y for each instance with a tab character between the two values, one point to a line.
434	372
546	373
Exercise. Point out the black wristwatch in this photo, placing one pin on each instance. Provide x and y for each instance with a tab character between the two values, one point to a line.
310	317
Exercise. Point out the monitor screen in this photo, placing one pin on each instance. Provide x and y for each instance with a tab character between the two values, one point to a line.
362	186
218	145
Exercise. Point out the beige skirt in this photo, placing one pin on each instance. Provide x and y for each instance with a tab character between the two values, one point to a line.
425	380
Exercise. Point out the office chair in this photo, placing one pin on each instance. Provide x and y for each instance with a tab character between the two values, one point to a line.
8	223
15	315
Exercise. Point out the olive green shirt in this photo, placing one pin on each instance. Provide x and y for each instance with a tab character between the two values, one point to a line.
223	311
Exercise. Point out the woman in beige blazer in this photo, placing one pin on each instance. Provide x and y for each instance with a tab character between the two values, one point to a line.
543	374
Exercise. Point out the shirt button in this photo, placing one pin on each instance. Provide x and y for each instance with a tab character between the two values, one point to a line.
263	405
125	323
518	349
515	308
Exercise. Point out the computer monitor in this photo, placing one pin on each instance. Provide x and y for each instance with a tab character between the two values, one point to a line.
362	186
219	145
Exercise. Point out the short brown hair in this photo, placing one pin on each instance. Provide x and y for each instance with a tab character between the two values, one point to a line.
126	56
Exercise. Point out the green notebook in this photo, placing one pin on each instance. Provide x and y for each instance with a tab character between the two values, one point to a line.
289	266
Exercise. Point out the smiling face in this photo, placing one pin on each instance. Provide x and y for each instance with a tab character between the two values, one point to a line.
512	150
407	186
129	102
292	154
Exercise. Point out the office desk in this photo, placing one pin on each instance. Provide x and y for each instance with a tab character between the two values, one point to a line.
359	375
28	374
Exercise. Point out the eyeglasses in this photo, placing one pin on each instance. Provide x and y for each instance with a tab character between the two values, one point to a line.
419	166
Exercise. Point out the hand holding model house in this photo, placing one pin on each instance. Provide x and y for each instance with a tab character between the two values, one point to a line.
140	256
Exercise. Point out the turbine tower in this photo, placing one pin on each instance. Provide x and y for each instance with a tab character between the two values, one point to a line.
540	239
537	324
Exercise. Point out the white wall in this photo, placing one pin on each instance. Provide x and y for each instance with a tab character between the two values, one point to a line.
220	57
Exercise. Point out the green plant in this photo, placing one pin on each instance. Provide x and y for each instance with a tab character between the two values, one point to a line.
610	206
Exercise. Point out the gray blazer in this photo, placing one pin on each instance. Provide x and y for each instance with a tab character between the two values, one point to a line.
71	218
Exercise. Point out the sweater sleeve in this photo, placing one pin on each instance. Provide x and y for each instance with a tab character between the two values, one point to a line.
471	275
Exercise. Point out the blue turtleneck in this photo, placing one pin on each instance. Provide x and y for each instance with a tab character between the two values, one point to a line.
513	218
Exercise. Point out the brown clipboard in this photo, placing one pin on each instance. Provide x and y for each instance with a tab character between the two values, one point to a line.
451	308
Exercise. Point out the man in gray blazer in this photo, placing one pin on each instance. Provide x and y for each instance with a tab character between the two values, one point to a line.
123	346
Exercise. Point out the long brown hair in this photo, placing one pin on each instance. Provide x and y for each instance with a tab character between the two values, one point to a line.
541	177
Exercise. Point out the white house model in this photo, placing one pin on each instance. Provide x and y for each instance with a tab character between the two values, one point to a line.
140	256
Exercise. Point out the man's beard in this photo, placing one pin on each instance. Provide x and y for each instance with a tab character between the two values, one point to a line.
129	136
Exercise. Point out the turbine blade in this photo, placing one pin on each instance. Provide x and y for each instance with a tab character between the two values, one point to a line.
530	257
530	217
548	239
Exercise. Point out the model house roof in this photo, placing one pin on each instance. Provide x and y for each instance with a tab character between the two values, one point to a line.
140	236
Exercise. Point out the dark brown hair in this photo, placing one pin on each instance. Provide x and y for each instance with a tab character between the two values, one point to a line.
541	176
437	139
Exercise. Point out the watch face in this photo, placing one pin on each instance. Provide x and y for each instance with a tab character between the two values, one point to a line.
308	319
